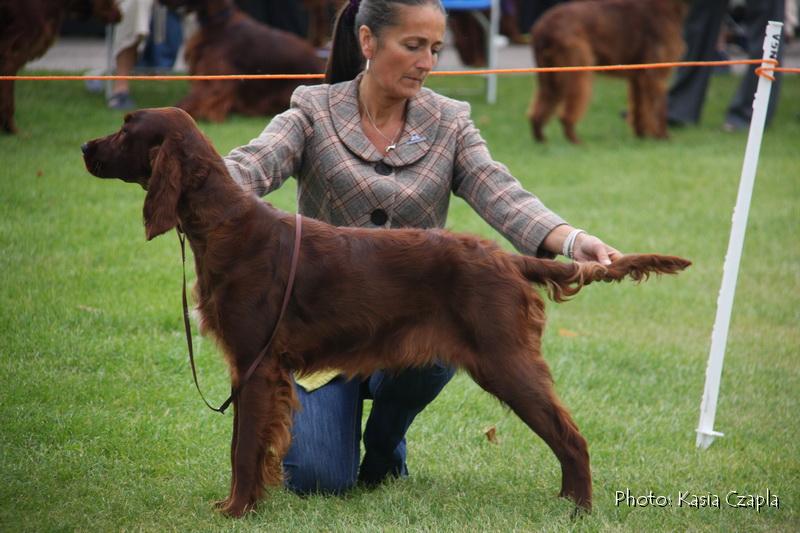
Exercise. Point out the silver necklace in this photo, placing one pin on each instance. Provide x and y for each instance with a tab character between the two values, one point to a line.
392	144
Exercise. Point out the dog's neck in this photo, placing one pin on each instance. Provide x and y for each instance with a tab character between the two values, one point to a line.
217	202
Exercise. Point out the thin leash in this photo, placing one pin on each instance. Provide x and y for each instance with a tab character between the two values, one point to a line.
286	295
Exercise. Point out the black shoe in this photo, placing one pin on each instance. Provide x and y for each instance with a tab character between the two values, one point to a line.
370	474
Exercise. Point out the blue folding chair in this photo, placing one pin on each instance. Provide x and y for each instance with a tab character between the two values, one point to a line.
491	29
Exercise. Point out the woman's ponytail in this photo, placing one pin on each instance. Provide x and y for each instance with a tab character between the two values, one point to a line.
344	61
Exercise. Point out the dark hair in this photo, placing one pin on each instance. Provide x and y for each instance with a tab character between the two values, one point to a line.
345	59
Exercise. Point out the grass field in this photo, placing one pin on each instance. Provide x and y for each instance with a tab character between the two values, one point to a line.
101	429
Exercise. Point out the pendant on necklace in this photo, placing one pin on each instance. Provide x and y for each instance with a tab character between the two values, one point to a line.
391	147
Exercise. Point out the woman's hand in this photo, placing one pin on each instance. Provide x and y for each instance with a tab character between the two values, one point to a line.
585	247
590	248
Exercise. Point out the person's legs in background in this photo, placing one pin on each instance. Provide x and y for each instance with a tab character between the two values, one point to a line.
165	40
688	90
128	35
740	110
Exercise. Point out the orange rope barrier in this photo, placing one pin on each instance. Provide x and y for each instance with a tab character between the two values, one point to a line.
532	70
784	69
603	68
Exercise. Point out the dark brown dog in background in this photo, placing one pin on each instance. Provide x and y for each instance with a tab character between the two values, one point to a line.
231	42
27	30
441	287
321	14
606	32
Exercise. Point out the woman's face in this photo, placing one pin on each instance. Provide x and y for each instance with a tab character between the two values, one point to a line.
405	53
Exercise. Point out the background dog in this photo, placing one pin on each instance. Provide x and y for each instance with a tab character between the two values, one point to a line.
231	42
27	30
606	32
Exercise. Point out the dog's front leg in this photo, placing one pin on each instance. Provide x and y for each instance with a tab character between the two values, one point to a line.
263	417
221	504
247	451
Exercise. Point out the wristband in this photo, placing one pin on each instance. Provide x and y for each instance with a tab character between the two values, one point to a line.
569	243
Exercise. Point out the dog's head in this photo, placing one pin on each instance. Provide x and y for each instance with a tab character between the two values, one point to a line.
154	148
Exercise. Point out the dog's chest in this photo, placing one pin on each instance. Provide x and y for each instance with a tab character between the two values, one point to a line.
206	311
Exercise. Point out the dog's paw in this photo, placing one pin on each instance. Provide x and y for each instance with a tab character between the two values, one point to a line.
582	500
232	508
218	505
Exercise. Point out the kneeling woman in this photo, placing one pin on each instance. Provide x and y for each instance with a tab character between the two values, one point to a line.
373	148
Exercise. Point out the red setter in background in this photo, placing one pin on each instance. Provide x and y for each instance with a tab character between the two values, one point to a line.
27	30
320	19
231	42
440	288
606	32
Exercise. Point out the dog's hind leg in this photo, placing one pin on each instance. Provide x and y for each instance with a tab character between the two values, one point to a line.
648	104
577	93
659	103
523	382
7	124
543	104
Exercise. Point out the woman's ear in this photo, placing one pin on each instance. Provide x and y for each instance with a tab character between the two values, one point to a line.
366	39
163	190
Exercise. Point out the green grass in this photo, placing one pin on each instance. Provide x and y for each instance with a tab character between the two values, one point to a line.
101	429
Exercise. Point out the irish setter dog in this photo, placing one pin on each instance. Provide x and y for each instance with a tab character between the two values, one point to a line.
364	299
231	42
320	19
606	32
27	30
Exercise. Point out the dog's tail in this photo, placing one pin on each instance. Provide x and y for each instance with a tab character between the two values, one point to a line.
562	280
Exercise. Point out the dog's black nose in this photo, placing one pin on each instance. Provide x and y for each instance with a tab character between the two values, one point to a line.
84	147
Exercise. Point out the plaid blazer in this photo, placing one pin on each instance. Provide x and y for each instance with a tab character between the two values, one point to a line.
345	181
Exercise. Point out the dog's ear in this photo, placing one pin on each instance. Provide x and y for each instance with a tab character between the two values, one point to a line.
163	190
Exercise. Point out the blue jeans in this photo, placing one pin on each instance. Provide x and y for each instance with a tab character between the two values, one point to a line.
326	434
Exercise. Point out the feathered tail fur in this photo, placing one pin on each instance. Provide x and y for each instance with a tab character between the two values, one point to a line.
562	280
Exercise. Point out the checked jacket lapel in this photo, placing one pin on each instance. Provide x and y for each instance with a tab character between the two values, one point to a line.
419	133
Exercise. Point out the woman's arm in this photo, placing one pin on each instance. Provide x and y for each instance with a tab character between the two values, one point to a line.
520	216
268	160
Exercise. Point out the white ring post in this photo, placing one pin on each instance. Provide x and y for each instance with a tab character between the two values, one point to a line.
493	31
730	271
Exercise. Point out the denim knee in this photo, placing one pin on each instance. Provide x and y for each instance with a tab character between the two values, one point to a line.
311	478
323	456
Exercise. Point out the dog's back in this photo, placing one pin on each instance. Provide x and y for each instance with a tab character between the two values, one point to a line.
619	31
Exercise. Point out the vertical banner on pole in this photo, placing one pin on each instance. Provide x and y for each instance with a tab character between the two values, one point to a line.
730	271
